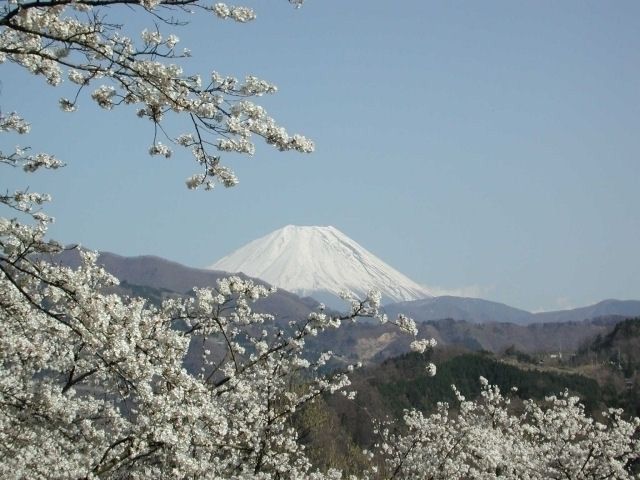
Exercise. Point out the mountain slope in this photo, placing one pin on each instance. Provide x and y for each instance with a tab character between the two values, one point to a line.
164	276
460	308
368	342
319	262
619	348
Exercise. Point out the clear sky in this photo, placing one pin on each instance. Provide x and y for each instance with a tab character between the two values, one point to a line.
480	147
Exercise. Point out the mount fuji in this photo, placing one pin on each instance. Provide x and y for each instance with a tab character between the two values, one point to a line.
319	262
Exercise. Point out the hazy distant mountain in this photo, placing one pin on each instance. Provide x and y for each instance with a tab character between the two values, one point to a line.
460	308
626	308
477	310
319	262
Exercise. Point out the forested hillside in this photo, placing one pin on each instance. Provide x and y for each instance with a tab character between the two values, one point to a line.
341	428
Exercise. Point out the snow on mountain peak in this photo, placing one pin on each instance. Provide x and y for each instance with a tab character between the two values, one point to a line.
316	261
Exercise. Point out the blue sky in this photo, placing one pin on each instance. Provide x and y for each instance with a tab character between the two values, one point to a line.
488	147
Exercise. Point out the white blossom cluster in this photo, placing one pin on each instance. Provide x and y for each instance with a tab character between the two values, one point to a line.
13	123
423	345
371	307
74	40
486	438
239	14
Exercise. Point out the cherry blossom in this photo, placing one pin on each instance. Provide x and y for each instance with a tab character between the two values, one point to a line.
486	438
74	40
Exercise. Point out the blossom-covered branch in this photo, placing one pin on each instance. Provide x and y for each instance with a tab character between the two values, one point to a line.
74	40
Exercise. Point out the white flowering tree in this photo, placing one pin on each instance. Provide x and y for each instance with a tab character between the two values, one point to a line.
485	438
92	384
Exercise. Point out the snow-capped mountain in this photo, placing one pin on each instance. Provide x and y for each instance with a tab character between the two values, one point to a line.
319	262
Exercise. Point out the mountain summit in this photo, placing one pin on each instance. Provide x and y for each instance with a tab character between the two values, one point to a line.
319	262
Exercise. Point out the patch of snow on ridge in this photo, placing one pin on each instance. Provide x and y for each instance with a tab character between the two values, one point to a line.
308	260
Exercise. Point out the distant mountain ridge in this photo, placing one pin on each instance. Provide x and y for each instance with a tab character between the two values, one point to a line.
477	310
471	323
165	275
319	262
